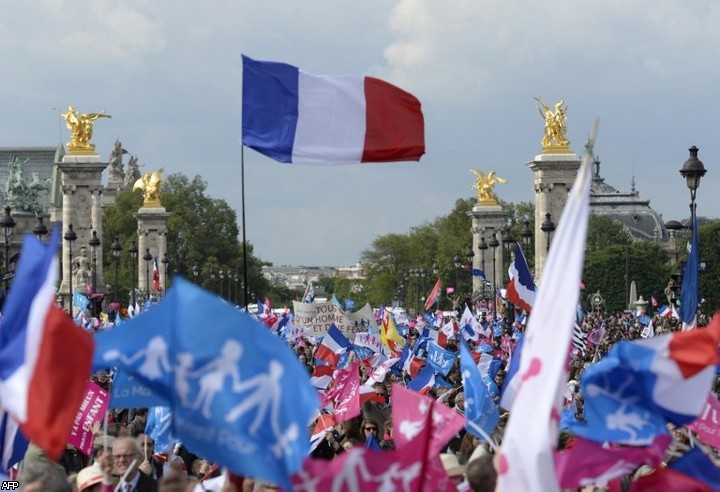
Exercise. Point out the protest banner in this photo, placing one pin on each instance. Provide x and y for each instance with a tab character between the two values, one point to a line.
318	317
92	410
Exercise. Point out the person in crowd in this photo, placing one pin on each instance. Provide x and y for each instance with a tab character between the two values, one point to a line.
150	466
127	456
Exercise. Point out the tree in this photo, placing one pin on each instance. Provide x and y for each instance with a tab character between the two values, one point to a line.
604	231
202	231
709	280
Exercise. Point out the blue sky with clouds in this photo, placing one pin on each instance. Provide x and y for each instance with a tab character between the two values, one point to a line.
170	74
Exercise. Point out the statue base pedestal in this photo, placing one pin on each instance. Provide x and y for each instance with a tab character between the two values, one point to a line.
152	238
486	221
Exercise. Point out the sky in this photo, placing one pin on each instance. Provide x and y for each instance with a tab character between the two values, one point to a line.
170	74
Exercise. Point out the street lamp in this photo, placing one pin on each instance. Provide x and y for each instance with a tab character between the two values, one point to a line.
237	278
70	237
212	279
483	246
148	258
526	235
195	272
692	171
94	243
494	243
457	263
548	226
116	249
40	229
133	250
674	226
221	275
508	240
8	224
165	263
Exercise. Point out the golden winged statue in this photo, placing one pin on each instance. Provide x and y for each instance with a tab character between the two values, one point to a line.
149	183
81	130
555	139
484	186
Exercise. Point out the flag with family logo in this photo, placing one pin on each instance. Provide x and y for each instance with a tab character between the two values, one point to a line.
480	410
238	394
158	427
441	360
80	301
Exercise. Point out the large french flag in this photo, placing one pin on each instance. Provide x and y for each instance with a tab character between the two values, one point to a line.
294	116
521	288
45	359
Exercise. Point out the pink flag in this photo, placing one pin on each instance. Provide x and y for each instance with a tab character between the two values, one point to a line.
347	398
91	411
707	425
589	463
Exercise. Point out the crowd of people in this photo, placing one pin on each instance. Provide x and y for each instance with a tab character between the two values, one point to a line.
124	457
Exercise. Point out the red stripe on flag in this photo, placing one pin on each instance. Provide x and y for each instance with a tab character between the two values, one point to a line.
394	125
58	383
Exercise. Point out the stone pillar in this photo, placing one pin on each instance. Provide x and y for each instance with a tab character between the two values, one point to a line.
554	177
486	220
82	195
152	235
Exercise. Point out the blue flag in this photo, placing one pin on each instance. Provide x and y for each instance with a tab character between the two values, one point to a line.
480	409
158	426
349	304
238	394
80	301
440	359
129	392
689	288
696	464
372	443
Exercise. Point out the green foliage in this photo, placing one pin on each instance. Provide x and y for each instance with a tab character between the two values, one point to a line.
709	280
202	232
604	232
610	270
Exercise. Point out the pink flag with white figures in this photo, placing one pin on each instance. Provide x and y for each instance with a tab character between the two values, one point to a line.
590	463
414	467
347	398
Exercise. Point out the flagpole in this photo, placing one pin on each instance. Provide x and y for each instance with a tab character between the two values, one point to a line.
244	229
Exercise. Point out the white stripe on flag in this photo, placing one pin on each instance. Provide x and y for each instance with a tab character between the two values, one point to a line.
526	461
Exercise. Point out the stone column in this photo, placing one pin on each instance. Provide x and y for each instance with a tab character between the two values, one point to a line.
82	193
554	177
486	221
152	235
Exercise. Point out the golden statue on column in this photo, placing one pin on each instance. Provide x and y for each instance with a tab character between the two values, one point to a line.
81	130
484	186
149	183
555	140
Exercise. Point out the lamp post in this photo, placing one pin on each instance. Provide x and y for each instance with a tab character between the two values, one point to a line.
470	254
70	236
526	235
40	229
457	263
148	258
212	279
116	249
692	170
507	240
221	276
94	243
133	250
494	243
237	279
674	226
195	272
165	263
8	224
548	227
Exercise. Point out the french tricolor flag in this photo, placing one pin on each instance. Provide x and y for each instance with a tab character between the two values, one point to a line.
45	359
521	288
297	117
333	345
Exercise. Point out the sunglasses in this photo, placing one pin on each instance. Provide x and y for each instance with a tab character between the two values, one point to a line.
371	429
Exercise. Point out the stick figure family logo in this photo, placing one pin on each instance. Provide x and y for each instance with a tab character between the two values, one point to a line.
261	393
355	475
629	422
